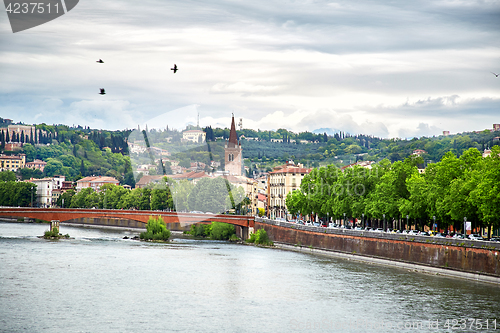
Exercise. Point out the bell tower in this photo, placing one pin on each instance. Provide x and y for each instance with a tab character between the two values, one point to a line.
232	152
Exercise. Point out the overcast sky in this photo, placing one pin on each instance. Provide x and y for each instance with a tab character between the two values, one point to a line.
390	68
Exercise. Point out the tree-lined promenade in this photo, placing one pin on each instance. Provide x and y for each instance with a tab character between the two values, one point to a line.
449	191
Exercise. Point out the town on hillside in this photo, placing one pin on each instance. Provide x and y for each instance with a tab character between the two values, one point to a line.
264	170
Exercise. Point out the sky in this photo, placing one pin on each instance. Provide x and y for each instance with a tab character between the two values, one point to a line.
388	68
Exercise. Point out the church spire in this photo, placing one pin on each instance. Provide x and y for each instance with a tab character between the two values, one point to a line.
233	137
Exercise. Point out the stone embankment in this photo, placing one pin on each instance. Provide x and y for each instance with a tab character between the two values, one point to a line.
479	260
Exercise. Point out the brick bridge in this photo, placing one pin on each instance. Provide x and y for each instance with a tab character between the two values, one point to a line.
241	222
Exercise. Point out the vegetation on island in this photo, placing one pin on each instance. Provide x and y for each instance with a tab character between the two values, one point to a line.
215	231
156	230
54	234
260	237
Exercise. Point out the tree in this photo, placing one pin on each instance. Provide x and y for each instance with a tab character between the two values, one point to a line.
30	152
209	195
7	175
66	196
156	229
161	199
486	196
79	199
181	191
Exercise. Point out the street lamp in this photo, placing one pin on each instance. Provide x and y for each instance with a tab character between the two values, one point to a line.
465	232
363	220
434	218
384	221
343	222
407	216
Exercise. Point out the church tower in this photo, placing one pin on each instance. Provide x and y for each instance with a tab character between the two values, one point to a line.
232	152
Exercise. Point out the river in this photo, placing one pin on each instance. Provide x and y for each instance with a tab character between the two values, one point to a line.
100	282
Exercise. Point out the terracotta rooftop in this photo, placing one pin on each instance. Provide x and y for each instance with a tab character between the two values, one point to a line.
291	170
189	175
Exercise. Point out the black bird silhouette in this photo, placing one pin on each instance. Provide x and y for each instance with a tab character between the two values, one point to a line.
495	74
100	61
102	91
174	69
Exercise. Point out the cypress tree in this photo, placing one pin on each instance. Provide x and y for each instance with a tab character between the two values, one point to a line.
82	169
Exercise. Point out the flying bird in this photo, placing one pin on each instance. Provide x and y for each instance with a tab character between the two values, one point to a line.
495	74
100	61
102	91
174	69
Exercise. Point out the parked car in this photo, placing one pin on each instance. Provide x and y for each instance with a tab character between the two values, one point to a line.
440	235
317	224
358	228
495	239
413	232
475	237
423	233
378	230
459	236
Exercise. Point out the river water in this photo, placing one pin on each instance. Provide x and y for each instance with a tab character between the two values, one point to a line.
100	282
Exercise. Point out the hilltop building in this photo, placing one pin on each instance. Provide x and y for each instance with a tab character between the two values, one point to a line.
36	164
12	163
95	182
233	153
196	136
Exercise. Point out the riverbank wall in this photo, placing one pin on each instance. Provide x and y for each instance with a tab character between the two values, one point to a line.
453	255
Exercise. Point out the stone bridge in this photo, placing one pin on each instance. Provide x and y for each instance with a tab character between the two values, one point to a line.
242	223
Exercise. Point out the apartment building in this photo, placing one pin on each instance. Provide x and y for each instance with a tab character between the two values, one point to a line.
12	162
281	181
95	182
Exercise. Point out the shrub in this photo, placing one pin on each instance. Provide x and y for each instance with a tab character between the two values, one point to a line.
216	230
156	229
200	230
53	234
234	238
260	237
221	230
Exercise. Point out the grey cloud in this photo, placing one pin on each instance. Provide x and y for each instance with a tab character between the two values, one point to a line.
421	130
346	122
